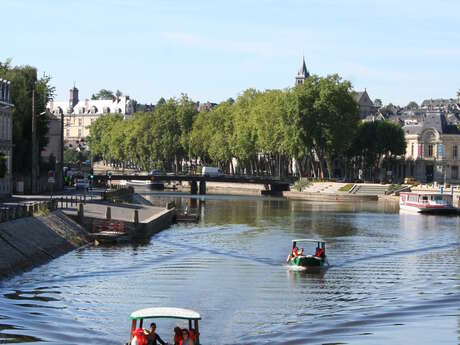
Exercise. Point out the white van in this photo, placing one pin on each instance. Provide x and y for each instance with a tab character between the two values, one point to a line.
210	171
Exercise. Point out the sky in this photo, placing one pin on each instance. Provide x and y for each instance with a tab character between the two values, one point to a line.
212	50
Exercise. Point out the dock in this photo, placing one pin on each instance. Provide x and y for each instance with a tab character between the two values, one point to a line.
115	223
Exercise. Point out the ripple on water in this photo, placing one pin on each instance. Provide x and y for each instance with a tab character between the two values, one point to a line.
390	276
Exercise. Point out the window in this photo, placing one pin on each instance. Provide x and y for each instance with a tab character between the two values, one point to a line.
79	132
454	172
430	150
67	132
80	122
67	121
454	152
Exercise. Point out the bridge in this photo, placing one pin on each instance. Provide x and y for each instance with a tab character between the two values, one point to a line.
272	185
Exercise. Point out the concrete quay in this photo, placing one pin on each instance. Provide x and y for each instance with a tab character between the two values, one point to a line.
33	240
125	221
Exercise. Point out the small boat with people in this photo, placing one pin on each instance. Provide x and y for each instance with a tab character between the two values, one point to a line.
181	336
426	203
316	262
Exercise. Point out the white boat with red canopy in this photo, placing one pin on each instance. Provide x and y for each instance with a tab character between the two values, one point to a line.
428	203
166	313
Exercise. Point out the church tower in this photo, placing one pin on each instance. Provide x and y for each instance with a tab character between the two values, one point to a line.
73	99
302	74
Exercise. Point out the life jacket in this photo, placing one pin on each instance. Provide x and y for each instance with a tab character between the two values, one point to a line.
193	335
319	252
177	340
295	252
140	336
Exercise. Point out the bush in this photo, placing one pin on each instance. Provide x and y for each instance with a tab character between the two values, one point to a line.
301	183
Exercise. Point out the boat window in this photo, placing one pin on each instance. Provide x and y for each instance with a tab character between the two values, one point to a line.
425	198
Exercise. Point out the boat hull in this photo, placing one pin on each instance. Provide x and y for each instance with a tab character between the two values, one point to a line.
429	210
310	263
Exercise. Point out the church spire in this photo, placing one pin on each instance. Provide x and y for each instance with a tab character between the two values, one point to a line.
303	73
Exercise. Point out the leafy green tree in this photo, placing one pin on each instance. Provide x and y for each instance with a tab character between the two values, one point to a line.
375	141
378	103
103	94
24	82
412	105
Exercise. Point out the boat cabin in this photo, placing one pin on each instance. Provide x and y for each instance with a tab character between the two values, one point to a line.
319	243
434	199
139	316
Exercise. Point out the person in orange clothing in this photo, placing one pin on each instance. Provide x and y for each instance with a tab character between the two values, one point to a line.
177	336
319	252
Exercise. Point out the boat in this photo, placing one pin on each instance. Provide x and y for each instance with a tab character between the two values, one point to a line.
186	217
318	261
110	237
166	313
426	203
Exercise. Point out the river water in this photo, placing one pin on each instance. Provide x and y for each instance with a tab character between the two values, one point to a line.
394	279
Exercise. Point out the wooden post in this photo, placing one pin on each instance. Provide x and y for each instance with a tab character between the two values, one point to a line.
80	212
136	217
197	332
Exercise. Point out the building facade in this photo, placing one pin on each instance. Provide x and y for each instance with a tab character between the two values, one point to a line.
432	152
80	114
6	136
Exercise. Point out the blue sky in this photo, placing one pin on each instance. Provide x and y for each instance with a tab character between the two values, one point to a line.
211	50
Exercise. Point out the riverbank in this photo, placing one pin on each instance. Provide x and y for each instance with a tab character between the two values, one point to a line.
32	241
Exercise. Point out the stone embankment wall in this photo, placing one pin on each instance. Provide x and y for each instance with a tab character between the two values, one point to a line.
333	197
31	241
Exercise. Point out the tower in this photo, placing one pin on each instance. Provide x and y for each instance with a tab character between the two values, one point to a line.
302	74
73	99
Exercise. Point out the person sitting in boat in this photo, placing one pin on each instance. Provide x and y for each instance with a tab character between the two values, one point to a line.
139	337
152	337
295	253
193	334
320	252
186	338
177	336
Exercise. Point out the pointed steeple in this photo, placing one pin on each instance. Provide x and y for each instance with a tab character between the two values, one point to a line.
303	73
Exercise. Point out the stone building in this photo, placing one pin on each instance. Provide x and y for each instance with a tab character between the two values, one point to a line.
80	114
366	106
432	152
302	74
6	136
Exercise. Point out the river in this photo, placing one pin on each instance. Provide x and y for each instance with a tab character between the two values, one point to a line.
393	279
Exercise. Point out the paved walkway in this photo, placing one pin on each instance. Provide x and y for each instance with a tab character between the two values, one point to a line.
123	212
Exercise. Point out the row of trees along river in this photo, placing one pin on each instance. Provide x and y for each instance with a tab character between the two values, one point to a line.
314	127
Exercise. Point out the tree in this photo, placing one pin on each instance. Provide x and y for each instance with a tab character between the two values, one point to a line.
103	94
412	105
378	103
374	141
24	81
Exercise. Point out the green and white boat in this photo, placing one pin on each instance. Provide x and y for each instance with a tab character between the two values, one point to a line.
318	261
